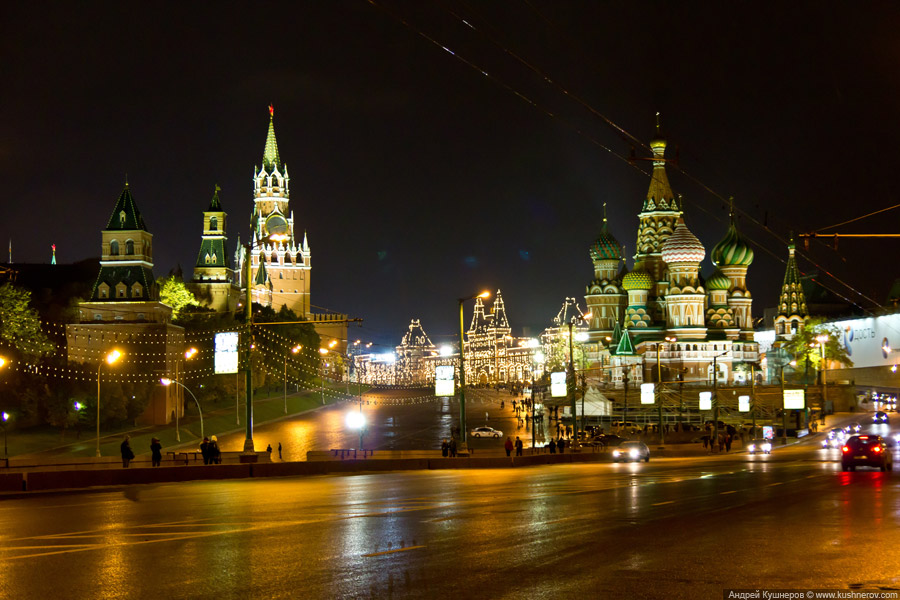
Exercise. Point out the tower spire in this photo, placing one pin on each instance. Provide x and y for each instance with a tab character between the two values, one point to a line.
271	159
53	257
792	309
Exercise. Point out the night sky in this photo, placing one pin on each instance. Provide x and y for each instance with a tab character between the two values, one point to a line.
418	178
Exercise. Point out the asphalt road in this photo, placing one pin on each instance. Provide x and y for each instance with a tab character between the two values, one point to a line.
397	420
670	528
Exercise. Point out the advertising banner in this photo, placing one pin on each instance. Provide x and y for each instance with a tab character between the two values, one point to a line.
705	400
226	356
793	399
743	403
558	387
647	395
444	384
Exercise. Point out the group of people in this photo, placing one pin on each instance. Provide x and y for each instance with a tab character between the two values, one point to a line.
448	448
722	442
209	449
509	445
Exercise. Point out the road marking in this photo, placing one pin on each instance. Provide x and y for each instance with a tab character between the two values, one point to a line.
774	484
728	492
392	551
661	503
438	520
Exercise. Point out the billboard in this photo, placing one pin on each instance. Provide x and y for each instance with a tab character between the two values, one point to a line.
743	403
558	388
443	380
226	360
705	400
793	399
647	395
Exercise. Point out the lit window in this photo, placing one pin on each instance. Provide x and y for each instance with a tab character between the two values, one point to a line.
129	247
213	224
114	248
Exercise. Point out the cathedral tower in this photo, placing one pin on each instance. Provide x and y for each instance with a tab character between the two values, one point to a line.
792	311
605	297
686	296
288	265
733	255
212	281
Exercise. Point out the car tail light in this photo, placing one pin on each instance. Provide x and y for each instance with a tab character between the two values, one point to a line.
863	437
845	449
876	449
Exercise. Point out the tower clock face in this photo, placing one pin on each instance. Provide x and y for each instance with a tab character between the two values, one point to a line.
276	224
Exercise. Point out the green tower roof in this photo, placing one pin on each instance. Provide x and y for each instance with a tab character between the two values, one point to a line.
214	205
261	275
125	216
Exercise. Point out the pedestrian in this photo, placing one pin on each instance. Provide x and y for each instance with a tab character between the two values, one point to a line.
727	443
508	446
705	441
561	445
269	450
502	404
155	452
215	455
452	447
279	451
445	448
552	446
519	446
485	416
127	454
204	450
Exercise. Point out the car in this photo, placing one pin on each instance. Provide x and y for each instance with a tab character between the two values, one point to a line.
838	433
624	425
852	428
880	417
606	440
631	451
832	443
866	451
481	432
760	445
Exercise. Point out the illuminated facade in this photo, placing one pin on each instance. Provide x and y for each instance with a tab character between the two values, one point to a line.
212	283
664	300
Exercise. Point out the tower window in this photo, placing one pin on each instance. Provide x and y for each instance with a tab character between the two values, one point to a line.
129	247
122	218
114	248
213	224
207	259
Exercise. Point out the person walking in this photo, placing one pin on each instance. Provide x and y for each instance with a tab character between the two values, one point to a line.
445	448
452	447
727	442
508	446
125	449
279	451
561	444
215	455
204	450
519	446
155	452
552	446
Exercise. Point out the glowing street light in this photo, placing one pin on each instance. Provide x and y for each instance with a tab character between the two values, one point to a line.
167	382
294	350
111	358
5	417
463	448
188	355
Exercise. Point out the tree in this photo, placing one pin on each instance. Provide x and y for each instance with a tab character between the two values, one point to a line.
20	325
174	293
804	346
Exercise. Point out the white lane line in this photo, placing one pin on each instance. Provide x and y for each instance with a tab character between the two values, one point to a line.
661	503
392	551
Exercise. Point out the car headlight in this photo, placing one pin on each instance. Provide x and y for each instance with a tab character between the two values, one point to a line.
616	453
752	447
633	453
766	447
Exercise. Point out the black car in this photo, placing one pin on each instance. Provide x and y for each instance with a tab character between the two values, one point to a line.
880	417
607	440
866	451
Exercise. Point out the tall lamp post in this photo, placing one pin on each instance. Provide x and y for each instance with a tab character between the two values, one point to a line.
463	448
167	382
4	417
248	318
111	358
571	377
294	350
658	389
716	395
822	338
188	355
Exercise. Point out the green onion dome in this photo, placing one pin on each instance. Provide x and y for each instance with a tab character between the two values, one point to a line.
733	250
606	247
638	279
718	281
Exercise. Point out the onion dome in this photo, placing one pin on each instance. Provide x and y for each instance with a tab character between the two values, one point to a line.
733	250
606	246
638	279
683	246
718	281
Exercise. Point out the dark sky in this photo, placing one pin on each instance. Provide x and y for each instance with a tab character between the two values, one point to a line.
418	178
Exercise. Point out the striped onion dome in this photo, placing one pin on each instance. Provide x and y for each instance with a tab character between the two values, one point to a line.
718	281
733	250
638	279
683	246
606	246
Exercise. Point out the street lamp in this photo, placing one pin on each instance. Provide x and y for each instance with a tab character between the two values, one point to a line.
793	363
5	418
166	382
179	406
111	358
248	317
822	338
463	448
667	340
294	350
571	378
716	395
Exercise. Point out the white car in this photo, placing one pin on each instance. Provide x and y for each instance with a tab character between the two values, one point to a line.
485	432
